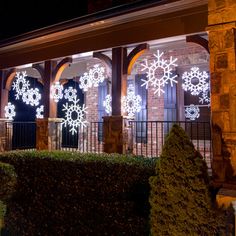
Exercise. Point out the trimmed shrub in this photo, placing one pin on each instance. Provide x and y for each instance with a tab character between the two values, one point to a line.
64	193
7	185
7	181
180	197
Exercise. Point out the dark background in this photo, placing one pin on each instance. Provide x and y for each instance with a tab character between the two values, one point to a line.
17	17
21	16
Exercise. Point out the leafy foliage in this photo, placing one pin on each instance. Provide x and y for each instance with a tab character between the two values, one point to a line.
66	193
180	197
8	184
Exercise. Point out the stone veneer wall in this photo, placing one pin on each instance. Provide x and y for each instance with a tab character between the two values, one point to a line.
222	39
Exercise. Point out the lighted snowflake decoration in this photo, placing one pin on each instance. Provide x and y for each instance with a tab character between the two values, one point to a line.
192	112
204	97
20	84
74	116
85	82
107	104
131	103
32	97
56	91
195	81
39	112
70	94
159	73
97	75
10	111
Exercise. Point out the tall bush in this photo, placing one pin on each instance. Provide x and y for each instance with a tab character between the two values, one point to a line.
180	197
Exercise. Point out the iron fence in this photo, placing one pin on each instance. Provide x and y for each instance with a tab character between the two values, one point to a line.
20	135
147	138
84	139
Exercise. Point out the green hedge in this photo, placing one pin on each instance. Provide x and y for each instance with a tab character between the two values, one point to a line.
7	185
64	193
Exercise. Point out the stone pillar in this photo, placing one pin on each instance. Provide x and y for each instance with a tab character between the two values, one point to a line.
115	134
222	39
48	134
5	135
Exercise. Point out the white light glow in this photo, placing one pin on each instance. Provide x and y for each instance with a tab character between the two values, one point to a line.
56	91
107	104
192	112
10	111
159	73
195	81
39	112
32	97
74	116
20	84
131	103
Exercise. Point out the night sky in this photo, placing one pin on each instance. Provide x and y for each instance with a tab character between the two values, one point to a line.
17	17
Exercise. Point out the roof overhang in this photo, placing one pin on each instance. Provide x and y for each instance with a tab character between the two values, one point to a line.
162	20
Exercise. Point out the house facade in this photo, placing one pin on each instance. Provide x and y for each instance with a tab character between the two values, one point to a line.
136	68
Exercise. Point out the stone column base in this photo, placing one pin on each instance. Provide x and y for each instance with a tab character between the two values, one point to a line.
5	135
48	134
225	197
115	135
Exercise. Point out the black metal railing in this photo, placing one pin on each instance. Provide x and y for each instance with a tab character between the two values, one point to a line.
20	135
147	138
83	139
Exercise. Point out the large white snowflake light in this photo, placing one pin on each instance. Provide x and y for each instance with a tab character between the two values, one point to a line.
32	97
97	75
70	94
192	112
10	111
39	112
195	81
159	73
56	91
85	82
131	103
107	104
74	116
20	84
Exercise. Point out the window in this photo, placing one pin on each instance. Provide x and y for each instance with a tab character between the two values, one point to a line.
102	92
141	127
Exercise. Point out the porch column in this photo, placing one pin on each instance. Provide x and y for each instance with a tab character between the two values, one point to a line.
6	78
222	39
48	128
114	124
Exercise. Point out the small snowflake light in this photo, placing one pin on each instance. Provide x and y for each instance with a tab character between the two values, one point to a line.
56	91
85	82
39	112
97	75
204	97
131	103
192	112
32	97
10	111
159	73
20	84
74	116
195	81
107	104
70	94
